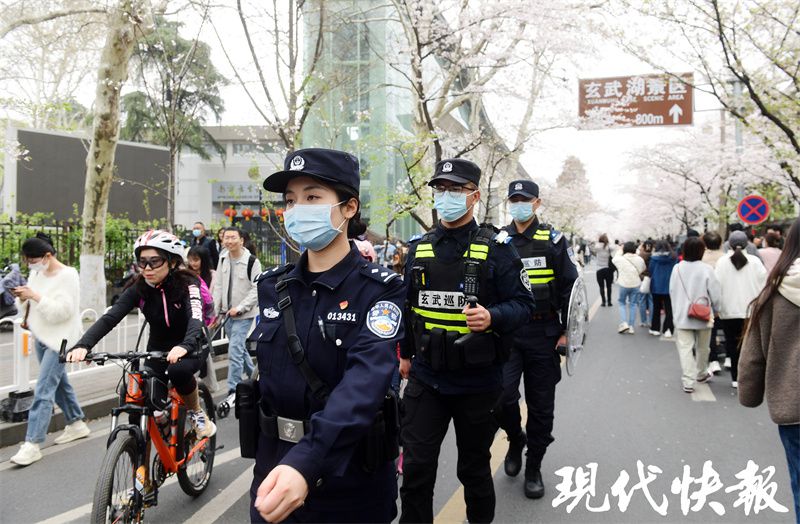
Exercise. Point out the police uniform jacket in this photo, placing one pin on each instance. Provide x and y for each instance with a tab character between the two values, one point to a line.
513	307
348	320
552	320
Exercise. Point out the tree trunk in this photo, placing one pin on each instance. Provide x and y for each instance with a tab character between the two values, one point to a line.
126	23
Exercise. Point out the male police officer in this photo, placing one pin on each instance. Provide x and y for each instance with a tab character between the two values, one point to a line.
466	289
547	260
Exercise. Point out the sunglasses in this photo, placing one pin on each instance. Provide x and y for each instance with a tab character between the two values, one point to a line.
154	262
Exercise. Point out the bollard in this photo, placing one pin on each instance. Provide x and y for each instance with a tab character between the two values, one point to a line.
22	364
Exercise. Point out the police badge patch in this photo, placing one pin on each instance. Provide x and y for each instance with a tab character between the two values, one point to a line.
297	164
523	276
518	187
447	167
270	312
384	319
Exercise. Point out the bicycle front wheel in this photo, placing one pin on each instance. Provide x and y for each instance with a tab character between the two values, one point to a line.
193	477
115	496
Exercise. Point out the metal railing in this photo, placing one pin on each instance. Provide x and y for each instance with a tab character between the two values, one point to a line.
23	341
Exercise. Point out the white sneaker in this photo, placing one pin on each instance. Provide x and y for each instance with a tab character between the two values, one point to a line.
655	333
230	400
630	330
714	367
735	384
203	427
623	327
73	431
28	454
727	363
667	335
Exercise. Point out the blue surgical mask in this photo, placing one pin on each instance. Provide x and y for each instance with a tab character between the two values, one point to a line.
521	211
196	233
451	205
310	225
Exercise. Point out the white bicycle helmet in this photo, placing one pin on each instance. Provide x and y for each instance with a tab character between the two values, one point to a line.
159	239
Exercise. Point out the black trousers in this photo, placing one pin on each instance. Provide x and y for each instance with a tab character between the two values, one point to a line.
662	302
605	278
732	327
427	415
540	368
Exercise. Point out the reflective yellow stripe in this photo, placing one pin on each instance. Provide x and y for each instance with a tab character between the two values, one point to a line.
541	237
479	247
460	329
458	317
541	280
532	272
424	254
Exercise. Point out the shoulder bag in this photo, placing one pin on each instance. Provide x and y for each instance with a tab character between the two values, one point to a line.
699	309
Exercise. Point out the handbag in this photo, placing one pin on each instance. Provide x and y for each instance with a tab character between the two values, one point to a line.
644	287
699	309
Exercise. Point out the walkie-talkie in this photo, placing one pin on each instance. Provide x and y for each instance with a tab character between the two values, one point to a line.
471	277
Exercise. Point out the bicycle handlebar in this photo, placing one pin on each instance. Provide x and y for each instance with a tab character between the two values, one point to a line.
101	358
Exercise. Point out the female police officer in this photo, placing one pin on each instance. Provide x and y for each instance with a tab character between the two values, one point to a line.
319	405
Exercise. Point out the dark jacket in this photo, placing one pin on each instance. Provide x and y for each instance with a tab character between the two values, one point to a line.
660	269
209	244
349	320
182	325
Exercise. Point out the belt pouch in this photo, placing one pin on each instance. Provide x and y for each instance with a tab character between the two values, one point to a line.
436	351
452	352
477	349
246	411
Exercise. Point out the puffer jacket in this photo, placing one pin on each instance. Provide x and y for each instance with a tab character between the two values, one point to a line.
660	268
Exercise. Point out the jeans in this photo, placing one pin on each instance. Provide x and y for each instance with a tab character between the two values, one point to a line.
238	359
790	436
645	308
627	304
52	385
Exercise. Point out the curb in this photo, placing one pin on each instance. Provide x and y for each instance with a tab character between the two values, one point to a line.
14	432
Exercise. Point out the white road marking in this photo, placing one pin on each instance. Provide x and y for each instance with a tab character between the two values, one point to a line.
216	507
81	512
703	393
593	310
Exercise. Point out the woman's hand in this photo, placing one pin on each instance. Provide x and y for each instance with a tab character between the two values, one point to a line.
176	353
26	293
283	491
77	354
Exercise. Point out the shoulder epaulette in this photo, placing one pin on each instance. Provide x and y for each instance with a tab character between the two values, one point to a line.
415	238
556	236
379	273
275	271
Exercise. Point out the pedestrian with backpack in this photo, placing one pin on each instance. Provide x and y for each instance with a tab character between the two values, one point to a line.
235	294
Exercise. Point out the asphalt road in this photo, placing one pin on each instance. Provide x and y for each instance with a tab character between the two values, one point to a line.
624	404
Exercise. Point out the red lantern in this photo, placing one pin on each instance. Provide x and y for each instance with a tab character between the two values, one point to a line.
230	213
279	213
264	212
247	213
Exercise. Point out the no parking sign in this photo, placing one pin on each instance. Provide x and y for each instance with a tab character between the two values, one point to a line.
753	209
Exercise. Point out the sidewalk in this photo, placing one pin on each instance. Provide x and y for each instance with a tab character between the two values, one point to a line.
97	395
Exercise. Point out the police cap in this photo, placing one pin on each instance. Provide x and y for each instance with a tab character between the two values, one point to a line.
328	165
526	188
457	170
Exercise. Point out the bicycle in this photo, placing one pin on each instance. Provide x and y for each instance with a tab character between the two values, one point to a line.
128	481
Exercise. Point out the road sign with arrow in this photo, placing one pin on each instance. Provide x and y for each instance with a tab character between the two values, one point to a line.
640	101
